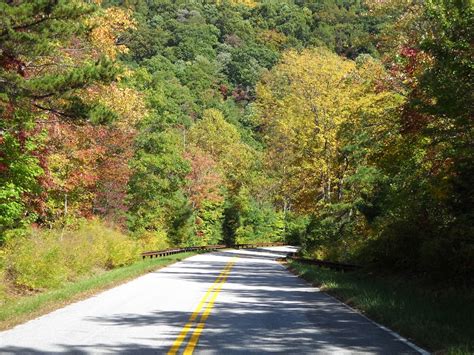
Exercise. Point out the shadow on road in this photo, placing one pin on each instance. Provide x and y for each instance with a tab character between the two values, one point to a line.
260	310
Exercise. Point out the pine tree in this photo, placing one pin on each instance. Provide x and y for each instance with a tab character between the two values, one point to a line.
46	58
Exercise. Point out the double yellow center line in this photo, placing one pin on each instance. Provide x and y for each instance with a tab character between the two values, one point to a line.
205	305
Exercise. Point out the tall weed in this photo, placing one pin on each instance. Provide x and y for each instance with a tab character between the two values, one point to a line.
46	259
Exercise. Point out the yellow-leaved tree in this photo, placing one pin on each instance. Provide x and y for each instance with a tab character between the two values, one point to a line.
301	104
107	27
248	3
312	107
222	141
329	124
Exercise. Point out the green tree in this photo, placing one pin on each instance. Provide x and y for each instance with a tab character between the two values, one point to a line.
43	78
155	189
222	141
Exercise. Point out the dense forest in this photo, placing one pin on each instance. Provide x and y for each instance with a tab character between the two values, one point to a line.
343	126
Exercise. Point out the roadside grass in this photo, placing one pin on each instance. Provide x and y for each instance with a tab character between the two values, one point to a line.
440	320
21	309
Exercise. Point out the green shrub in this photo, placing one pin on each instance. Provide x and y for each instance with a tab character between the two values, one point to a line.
3	284
45	259
249	221
34	261
153	240
122	252
3	290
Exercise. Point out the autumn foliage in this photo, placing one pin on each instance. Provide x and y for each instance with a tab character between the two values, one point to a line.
344	127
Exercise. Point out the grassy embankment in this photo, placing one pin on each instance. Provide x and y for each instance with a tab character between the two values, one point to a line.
27	307
440	320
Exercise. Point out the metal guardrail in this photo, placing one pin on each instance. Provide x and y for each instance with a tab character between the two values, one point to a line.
161	253
290	256
257	245
165	252
322	263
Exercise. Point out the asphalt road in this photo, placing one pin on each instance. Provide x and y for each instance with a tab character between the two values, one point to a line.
227	302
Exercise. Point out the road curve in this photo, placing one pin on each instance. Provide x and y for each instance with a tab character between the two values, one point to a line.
227	302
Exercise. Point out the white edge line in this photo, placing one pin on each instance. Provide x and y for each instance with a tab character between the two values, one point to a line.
391	332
